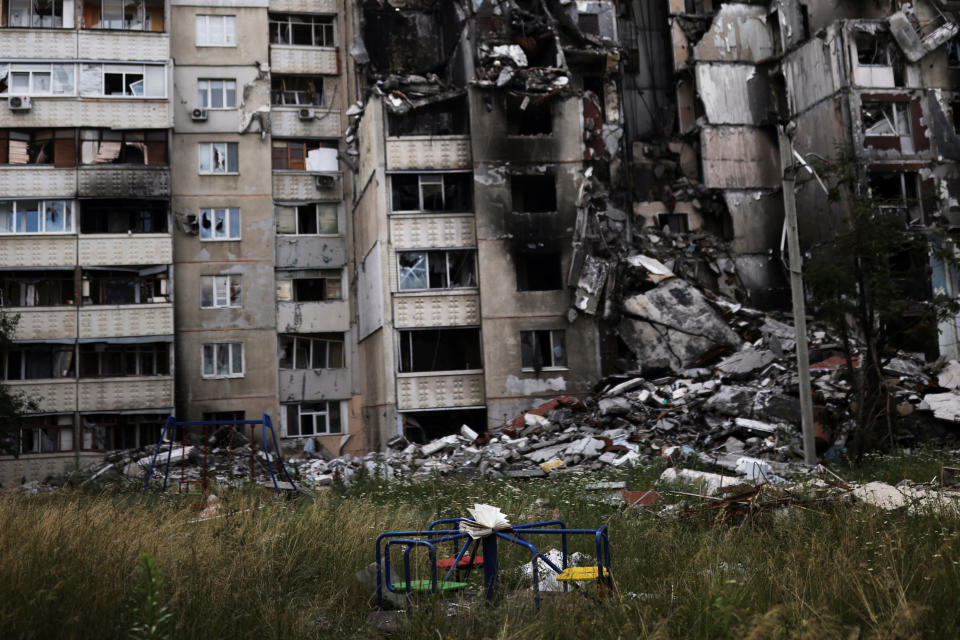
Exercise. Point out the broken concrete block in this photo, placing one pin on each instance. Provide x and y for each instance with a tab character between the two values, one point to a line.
625	386
743	363
441	443
731	400
706	483
945	406
673	325
618	406
468	433
588	447
949	376
755	425
777	406
533	420
536	472
550	465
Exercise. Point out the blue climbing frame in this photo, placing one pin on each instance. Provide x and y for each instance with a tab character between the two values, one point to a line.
172	425
432	536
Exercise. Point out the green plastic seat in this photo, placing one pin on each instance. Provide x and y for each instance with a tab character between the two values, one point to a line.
425	585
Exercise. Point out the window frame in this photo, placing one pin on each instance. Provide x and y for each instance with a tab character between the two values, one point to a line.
327	340
316	217
208	148
215	347
229	219
228	285
431	179
206	30
32	16
447	270
41	218
126	351
204	95
326	22
342	428
318	82
25	67
552	333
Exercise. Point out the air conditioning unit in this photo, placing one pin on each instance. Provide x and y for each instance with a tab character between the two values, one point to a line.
307	114
198	115
325	182
19	103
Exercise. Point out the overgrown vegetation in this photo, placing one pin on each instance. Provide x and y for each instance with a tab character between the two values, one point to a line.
72	564
13	404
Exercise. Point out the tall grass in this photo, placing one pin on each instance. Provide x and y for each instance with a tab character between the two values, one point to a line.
70	566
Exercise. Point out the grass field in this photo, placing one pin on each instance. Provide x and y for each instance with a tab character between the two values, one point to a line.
72	565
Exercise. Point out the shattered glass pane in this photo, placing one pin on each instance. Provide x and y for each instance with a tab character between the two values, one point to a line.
559	349
286	353
208	359
63	79
302	354
413	270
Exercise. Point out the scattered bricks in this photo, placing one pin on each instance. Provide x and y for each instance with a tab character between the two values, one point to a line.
468	433
640	498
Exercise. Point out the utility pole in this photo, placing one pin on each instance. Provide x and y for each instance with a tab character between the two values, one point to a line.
789	171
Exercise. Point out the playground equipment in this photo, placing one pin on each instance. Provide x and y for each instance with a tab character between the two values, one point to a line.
172	427
431	537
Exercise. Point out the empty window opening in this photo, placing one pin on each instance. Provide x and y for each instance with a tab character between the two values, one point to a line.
103	432
884	119
316	351
446	118
296	90
897	193
38	146
431	192
313	419
533	193
317	219
870	49
675	222
36	288
440	350
319	286
131	285
109	146
543	349
451	269
589	23
103	360
125	215
305	30
38	362
423	426
539	271
528	116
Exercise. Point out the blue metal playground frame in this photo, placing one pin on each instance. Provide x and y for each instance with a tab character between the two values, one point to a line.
172	425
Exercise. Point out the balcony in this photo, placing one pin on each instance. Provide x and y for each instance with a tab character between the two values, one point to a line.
116	321
311	252
303	185
45	323
313	317
313	384
433	231
38	250
304	6
123	45
134	249
436	310
429	152
107	181
47	43
439	390
52	396
111	394
286	122
148	113
314	60
31	181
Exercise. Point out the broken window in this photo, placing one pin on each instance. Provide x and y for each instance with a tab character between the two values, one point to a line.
220	224
123	80
446	118
219	292
101	432
675	222
36	288
216	31
218	157
38	14
305	30
36	79
296	90
217	93
440	350
126	215
222	360
431	192
417	41
898	194
104	360
313	418
589	23
528	116
539	271
110	146
129	15
38	362
318	289
542	349
870	49
305	155
38	146
533	193
953	52
46	434
317	218
36	216
884	119
449	269
319	351
125	285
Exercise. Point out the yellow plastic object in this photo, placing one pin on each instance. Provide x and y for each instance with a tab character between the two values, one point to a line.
551	465
576	574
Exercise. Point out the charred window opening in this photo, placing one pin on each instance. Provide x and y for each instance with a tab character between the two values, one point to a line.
46	434
528	117
897	193
423	426
451	269
675	222
446	118
542	51
953	52
108	146
311	286
539	271
38	146
955	113
533	193
589	23
305	30
304	155
440	350
885	119
543	349
102	360
412	192
130	285
38	362
871	49
418	40
123	216
316	351
296	90
101	432
36	288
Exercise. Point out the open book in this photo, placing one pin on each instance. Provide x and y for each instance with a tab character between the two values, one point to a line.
486	520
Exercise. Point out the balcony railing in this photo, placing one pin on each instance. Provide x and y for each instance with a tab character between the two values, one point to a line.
436	390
